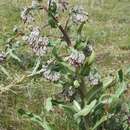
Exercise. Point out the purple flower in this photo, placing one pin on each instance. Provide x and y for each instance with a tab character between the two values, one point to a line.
26	15
50	75
79	15
38	43
76	58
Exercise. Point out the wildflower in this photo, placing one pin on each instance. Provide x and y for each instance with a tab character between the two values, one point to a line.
50	75
62	4
26	15
34	36
37	43
79	15
76	58
2	57
94	79
40	47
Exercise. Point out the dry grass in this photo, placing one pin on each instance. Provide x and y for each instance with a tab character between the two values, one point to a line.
108	27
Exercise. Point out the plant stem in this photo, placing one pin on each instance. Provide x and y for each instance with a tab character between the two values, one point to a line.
83	92
38	61
65	35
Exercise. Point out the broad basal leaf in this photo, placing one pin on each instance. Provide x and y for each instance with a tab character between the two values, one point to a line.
86	110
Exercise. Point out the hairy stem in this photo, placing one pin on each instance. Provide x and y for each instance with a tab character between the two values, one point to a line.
65	35
83	92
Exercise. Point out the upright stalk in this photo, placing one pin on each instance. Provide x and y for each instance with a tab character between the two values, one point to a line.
83	92
65	35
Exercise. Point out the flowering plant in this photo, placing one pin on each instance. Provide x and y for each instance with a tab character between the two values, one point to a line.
68	61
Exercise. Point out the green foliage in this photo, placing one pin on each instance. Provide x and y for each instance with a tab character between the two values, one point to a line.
85	96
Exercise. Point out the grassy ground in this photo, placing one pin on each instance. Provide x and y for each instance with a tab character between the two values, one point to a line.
108	27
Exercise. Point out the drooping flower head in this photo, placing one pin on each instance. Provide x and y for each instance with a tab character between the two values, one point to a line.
26	15
63	4
40	47
79	15
94	78
38	43
50	75
76	58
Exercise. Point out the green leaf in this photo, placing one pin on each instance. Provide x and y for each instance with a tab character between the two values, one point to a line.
76	106
121	75
87	64
52	22
14	56
4	71
67	108
103	119
35	118
68	66
113	99
52	12
53	43
93	92
86	110
37	64
76	83
54	52
107	82
91	58
49	105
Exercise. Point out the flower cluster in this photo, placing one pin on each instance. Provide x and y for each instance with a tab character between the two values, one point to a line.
50	75
63	5
79	15
26	15
38	43
76	58
94	79
2	57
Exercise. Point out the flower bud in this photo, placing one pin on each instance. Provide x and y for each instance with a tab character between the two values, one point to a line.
88	50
